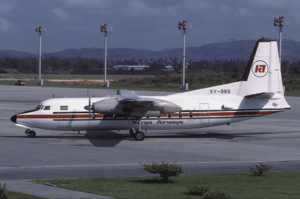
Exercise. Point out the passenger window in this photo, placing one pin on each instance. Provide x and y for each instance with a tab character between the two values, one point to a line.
47	108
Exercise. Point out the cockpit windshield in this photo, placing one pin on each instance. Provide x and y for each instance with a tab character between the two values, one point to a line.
47	108
39	107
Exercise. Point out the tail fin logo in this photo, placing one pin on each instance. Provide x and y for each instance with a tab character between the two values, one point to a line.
260	68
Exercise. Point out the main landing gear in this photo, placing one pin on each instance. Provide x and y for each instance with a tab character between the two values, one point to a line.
30	133
138	135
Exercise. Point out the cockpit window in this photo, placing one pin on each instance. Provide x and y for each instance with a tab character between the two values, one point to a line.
38	107
47	108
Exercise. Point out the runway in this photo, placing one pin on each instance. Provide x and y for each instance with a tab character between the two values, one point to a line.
274	139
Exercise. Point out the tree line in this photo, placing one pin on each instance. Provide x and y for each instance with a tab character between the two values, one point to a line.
81	65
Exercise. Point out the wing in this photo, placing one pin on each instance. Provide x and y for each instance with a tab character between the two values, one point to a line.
128	102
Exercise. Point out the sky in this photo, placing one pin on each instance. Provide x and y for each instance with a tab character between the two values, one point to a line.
140	24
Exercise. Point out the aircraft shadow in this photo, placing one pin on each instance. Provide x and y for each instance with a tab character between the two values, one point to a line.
96	138
104	138
111	138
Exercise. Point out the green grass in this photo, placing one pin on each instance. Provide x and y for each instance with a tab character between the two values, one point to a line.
292	93
150	83
50	84
68	76
13	194
237	185
65	85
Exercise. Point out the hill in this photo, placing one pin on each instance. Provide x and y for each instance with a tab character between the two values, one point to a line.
227	50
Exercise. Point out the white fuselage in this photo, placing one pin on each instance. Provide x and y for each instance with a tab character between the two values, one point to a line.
260	92
217	107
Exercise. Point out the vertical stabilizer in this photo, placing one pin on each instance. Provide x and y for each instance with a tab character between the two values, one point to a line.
263	74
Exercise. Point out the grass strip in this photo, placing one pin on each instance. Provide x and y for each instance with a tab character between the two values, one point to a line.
150	83
237	185
78	85
292	93
13	194
68	76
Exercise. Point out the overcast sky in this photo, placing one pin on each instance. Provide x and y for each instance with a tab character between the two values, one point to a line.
140	24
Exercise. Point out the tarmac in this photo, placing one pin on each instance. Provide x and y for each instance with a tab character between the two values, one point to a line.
272	139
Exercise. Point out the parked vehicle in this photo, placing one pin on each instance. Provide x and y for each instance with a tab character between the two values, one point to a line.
20	83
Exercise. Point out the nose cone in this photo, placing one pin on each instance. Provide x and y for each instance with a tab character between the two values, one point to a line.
14	118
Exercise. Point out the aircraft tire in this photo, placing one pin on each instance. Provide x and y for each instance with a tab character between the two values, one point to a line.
139	136
31	134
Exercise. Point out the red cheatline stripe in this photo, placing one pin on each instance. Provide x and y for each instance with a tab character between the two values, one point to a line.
185	114
196	114
173	115
36	116
238	113
164	115
56	116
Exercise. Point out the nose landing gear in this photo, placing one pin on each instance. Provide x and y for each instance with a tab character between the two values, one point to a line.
30	133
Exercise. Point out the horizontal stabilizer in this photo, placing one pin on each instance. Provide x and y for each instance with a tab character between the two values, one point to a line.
261	95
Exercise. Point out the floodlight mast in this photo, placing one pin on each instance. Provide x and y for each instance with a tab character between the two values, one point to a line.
279	22
40	31
104	28
184	27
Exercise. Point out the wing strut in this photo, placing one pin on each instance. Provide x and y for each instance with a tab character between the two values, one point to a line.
140	124
131	125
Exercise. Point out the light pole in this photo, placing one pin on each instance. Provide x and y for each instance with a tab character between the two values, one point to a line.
40	31
105	29
279	22
184	27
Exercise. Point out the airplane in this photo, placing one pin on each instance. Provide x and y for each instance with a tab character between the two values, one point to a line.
260	92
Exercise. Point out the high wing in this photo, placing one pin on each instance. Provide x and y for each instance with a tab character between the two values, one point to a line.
129	103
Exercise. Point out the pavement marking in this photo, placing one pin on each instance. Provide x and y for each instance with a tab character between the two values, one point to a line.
26	154
44	161
61	143
136	164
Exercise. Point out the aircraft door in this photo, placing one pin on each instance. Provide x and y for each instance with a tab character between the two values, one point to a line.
204	113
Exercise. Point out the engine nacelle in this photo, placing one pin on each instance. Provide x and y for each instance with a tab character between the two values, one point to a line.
107	106
165	107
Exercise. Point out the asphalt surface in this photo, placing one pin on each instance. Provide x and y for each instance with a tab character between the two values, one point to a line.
272	139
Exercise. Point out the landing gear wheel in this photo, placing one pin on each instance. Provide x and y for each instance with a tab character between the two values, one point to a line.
139	136
131	133
31	134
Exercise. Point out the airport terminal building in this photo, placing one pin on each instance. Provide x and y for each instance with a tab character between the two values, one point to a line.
130	67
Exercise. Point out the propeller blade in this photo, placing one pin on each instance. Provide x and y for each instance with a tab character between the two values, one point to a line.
90	106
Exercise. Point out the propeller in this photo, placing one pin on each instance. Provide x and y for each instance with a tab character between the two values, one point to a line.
89	107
